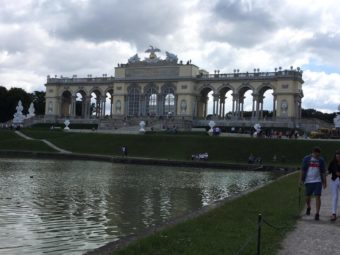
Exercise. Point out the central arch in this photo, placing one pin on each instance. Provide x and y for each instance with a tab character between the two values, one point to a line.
151	100
133	100
168	99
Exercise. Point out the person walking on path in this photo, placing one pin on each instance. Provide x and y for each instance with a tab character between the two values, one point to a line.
313	176
334	170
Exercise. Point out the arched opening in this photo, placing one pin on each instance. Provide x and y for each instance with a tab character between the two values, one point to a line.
80	104
66	102
267	103
169	101
245	106
96	104
133	101
228	104
225	102
108	103
205	105
151	101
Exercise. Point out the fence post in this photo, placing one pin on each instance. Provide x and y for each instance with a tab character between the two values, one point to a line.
259	223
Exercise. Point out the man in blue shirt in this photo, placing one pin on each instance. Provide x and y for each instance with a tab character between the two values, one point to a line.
313	176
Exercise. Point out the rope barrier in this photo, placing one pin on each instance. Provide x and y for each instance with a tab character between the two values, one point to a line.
246	243
272	226
262	221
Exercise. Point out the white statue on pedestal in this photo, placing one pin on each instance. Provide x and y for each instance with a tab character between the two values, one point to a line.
212	124
257	128
18	116
142	125
67	123
31	111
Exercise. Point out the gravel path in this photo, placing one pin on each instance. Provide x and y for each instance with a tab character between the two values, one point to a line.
48	143
315	237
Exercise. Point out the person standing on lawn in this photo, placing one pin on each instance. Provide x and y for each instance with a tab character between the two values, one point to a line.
313	176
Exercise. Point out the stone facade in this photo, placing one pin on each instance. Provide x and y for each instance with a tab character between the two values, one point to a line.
156	87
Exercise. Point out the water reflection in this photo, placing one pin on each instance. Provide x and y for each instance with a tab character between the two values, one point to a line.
59	207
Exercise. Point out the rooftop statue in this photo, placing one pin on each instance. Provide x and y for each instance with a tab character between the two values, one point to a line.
152	51
170	57
134	59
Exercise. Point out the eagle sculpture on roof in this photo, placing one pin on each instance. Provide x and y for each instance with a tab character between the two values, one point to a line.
152	51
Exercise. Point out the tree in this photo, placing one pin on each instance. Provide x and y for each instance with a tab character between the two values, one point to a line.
312	113
39	102
3	104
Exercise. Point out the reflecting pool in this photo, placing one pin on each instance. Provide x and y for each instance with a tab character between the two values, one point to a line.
69	207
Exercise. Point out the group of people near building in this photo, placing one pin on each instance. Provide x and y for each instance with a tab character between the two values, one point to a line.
313	177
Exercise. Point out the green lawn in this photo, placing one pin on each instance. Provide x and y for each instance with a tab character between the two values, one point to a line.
180	147
226	229
11	141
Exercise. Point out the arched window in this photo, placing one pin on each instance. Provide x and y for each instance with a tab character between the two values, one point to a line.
151	104
169	101
133	101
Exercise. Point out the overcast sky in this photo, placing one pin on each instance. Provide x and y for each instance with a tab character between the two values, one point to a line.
66	37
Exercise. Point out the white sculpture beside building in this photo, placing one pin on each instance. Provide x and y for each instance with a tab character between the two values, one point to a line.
31	111
18	116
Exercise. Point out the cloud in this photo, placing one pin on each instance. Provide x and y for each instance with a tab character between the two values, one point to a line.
321	89
101	20
66	37
240	23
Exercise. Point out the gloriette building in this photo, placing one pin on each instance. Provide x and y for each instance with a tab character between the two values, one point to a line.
156	87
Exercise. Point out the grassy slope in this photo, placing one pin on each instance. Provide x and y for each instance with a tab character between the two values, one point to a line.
11	141
225	230
182	146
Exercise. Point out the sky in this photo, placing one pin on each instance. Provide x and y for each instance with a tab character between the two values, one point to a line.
67	37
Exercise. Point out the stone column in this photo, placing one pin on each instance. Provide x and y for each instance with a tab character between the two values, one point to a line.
253	108
257	107
73	106
175	104
111	106
235	101
87	107
274	105
242	107
237	107
104	106
213	105
98	107
222	102
215	98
